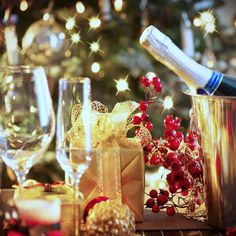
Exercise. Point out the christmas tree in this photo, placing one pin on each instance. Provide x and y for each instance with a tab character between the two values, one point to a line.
100	39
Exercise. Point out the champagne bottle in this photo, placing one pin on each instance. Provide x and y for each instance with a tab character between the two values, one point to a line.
199	78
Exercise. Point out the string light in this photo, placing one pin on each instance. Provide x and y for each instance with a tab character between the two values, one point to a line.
94	47
210	27
70	23
80	8
75	38
118	5
197	22
46	16
168	102
207	21
24	5
122	85
94	22
95	67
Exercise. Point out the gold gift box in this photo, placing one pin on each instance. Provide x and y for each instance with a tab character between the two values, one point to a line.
116	173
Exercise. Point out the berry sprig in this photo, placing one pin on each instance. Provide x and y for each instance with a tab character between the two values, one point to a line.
179	155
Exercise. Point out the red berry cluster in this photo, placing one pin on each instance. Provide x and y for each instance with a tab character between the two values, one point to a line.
178	154
153	88
161	200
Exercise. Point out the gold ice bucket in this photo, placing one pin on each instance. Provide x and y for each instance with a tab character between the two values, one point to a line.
215	117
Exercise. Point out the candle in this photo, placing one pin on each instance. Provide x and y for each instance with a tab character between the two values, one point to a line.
11	40
39	211
105	8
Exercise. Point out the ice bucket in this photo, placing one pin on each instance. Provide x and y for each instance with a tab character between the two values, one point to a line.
215	118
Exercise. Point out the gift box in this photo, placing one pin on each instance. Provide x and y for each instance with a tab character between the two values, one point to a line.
116	173
117	167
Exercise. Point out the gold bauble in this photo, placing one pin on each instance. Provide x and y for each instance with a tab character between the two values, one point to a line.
44	42
110	218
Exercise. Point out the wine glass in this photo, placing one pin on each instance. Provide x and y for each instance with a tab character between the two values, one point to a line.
73	148
27	122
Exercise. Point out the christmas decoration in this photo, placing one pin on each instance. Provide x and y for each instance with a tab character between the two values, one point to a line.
180	156
33	189
110	218
92	203
44	42
113	152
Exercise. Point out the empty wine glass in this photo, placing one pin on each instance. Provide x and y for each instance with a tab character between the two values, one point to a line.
27	122
73	146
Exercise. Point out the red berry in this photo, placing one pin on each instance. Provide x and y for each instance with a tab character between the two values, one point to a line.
148	147
143	106
144	117
163	150
155	160
161	200
170	157
185	184
179	175
192	145
165	193
155	208
156	81
174	144
158	87
179	136
145	81
148	125
195	171
172	189
176	165
169	134
150	202
170	211
146	159
136	120
153	193
184	193
170	179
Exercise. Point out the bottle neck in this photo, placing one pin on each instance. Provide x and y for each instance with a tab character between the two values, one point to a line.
164	50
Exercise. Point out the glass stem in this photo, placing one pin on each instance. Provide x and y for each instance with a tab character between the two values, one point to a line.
20	175
76	208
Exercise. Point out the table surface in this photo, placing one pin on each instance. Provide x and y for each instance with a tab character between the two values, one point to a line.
154	224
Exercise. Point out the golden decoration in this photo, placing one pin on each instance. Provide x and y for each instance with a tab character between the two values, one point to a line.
110	218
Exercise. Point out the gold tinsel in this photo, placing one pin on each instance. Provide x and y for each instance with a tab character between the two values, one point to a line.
110	218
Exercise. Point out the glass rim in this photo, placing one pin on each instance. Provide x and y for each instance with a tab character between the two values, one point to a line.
79	79
19	68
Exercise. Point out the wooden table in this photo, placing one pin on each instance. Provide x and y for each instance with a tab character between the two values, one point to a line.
154	224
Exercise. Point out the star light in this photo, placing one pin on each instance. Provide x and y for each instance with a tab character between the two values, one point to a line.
168	102
118	5
80	8
94	22
207	21
122	85
75	38
70	23
24	5
94	47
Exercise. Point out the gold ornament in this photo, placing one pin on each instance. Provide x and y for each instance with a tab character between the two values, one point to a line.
44	42
110	218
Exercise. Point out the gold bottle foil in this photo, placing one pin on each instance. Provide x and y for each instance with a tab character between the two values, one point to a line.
215	117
